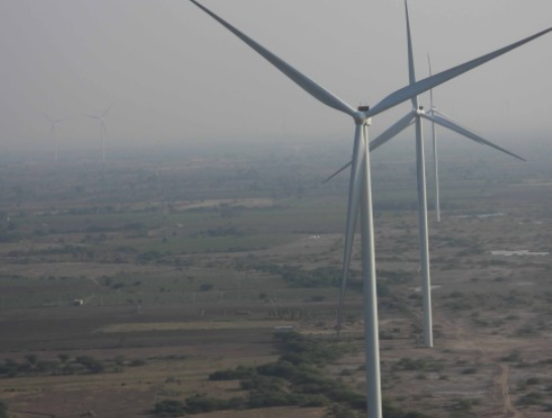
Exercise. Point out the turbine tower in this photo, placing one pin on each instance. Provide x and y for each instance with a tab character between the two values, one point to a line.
432	109
53	133
103	129
360	193
415	117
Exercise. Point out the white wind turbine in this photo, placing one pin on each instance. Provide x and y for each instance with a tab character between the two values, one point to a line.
53	133
432	110
440	118
103	129
415	117
360	194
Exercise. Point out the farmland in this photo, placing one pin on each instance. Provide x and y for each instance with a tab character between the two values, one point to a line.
186	267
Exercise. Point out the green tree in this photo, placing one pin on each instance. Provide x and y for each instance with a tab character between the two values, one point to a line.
3	409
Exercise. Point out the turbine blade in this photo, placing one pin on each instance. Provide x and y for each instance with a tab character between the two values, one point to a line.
430	90
47	117
449	124
421	86
106	111
337	172
353	203
385	136
310	86
392	131
411	70
443	115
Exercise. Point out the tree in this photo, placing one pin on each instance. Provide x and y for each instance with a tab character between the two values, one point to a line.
3	409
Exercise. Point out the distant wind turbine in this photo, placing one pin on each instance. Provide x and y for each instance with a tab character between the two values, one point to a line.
53	133
437	117
360	193
103	129
415	116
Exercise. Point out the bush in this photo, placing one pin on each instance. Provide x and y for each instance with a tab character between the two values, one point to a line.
93	365
205	287
169	408
240	372
200	403
263	384
3	410
532	398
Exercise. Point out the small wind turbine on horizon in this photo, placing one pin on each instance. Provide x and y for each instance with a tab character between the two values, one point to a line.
103	129
360	192
53	133
415	116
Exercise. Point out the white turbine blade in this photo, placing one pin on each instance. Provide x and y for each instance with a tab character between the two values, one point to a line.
392	131
337	172
106	111
310	86
434	140
385	136
93	117
47	117
445	116
421	86
449	124
355	184
411	70
430	74
61	120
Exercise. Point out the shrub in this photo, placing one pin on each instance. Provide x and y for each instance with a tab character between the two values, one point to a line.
263	384
3	410
137	362
200	403
532	398
240	372
93	365
169	408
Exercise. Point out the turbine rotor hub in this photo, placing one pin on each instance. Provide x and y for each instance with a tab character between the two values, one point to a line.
361	115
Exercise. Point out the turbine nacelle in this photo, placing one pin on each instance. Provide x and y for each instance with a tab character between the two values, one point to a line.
361	115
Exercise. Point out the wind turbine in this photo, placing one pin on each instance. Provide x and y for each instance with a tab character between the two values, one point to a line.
360	192
440	118
415	116
432	110
53	133
103	128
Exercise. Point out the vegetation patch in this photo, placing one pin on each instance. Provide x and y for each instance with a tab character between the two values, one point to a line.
297	378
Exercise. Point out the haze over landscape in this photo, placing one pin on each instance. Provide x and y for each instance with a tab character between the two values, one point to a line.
174	77
198	264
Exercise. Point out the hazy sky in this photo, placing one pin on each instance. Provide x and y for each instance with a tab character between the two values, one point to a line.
175	75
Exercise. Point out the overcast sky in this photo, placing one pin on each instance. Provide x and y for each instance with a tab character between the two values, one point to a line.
173	74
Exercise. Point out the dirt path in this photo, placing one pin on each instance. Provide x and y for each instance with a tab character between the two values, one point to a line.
500	391
503	382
